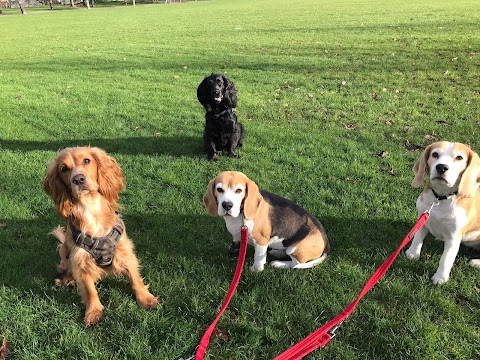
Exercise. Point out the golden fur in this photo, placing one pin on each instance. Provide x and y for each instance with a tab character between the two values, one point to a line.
90	204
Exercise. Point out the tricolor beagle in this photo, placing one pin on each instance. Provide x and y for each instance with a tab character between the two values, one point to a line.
273	222
453	178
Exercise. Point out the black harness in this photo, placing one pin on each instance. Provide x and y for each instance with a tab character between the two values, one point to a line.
102	248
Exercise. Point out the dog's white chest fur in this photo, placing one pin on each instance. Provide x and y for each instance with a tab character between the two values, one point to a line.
446	219
234	224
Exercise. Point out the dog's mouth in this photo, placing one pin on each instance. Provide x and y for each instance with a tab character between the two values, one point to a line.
218	99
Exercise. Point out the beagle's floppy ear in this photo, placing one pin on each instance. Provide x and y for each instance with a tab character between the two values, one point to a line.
109	175
57	190
420	167
252	199
209	199
471	176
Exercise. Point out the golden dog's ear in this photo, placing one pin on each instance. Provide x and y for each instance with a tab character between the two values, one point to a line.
209	199
470	178
57	190
252	199
420	167
109	175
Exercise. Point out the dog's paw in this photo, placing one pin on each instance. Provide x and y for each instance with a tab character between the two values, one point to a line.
148	301
281	264
474	263
232	155
257	267
412	254
92	316
439	279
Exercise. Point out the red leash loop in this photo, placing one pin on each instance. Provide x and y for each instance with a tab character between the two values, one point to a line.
202	347
322	336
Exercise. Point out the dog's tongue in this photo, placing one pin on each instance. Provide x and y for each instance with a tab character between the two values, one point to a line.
218	99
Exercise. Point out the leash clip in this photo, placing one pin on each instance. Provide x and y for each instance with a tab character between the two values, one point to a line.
432	205
332	331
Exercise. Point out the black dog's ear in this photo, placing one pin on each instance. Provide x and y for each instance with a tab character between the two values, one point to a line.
202	93
230	96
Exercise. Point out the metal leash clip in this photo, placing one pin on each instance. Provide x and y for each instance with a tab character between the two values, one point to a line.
432	205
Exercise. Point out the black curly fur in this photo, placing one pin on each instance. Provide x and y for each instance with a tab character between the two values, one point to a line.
222	131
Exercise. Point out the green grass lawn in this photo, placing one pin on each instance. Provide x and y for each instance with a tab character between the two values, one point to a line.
324	86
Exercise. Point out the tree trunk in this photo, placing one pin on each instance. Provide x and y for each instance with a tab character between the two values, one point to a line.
72	3
133	2
87	4
50	3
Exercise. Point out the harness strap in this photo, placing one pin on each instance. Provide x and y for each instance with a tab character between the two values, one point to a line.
322	336
202	347
101	248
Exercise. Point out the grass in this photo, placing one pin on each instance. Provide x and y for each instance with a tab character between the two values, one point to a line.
324	87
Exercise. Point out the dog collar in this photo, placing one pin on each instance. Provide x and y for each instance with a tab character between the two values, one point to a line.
101	248
444	197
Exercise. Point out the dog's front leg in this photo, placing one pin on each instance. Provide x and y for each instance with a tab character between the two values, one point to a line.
259	258
94	308
450	252
211	151
414	250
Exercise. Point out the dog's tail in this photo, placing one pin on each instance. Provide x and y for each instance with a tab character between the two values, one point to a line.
59	233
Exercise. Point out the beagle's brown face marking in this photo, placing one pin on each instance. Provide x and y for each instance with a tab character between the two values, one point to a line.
229	190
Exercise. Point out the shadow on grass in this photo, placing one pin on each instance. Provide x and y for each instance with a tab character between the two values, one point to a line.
29	253
178	146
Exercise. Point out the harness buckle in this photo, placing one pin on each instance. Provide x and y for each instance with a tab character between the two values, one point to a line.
332	331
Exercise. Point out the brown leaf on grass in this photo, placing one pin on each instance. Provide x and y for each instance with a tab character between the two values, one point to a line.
221	335
408	128
413	147
350	126
388	123
5	349
390	171
374	96
3	226
431	137
442	122
382	154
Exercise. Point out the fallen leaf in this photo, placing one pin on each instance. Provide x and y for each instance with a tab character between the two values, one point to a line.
384	89
221	335
413	147
5	349
388	123
442	122
431	136
3	226
374	96
446	72
136	128
350	126
176	76
382	154
390	171
344	82
185	67
407	129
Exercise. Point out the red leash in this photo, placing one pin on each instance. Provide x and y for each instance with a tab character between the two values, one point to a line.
322	336
202	347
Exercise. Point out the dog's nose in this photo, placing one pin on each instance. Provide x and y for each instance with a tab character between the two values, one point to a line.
227	205
441	168
79	179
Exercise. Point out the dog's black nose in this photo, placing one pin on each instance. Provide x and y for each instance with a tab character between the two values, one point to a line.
227	205
441	168
79	179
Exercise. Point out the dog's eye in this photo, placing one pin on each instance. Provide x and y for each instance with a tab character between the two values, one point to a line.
220	190
238	191
64	168
435	155
86	161
459	157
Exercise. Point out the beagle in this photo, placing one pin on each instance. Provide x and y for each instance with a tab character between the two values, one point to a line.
453	171
273	222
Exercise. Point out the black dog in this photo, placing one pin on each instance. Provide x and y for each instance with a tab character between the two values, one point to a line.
222	131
